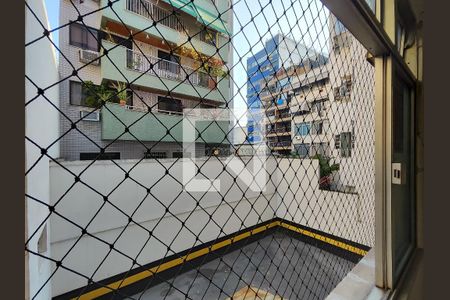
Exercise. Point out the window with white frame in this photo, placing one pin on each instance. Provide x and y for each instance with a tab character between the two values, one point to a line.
346	144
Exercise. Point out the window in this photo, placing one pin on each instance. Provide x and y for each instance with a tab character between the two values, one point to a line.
346	144
99	156
179	154
343	91
317	127
156	154
303	128
169	62
83	96
83	37
318	106
77	93
337	141
303	150
169	105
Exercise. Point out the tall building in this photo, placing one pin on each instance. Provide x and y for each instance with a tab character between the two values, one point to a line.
284	103
279	52
160	64
321	106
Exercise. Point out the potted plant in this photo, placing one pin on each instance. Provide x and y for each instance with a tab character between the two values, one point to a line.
96	95
326	170
121	92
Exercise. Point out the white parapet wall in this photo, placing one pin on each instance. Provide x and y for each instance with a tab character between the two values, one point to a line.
291	193
232	209
41	130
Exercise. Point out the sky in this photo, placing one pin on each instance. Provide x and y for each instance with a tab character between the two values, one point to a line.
303	20
53	16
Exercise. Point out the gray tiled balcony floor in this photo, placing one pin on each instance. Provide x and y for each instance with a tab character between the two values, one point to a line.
277	263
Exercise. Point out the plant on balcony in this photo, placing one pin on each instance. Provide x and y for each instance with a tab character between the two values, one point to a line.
326	170
210	65
121	92
96	94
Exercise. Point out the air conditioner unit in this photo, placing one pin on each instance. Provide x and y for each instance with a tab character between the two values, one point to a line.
298	137
90	116
89	56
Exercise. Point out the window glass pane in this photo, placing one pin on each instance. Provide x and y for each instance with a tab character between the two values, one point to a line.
92	40
81	37
76	35
76	93
167	104
346	143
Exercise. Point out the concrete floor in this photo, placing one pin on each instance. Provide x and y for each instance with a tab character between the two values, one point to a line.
278	264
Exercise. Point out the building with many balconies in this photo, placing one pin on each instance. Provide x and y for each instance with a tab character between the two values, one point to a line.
162	66
279	53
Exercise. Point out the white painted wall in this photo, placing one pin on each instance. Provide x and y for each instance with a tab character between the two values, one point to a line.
331	212
81	203
41	121
301	201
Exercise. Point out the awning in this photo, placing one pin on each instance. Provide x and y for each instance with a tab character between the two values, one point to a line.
200	14
184	5
212	21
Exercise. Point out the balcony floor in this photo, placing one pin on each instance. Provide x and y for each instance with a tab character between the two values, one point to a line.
309	272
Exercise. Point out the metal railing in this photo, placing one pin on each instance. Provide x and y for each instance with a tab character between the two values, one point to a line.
142	109
155	13
168	69
280	144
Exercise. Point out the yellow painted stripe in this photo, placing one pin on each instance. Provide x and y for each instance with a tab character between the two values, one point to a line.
180	260
170	264
325	239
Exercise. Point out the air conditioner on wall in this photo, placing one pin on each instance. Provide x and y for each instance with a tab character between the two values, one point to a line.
90	116
89	56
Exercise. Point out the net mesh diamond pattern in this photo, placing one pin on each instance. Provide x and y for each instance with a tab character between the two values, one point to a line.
121	220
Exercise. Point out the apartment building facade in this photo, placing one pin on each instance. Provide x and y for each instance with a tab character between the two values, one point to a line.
279	52
286	107
159	69
316	108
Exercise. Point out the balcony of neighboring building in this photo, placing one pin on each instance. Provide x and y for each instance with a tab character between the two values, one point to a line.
282	129
151	67
308	111
173	24
161	124
311	94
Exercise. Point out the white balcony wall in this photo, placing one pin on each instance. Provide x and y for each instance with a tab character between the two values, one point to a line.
41	120
81	203
328	211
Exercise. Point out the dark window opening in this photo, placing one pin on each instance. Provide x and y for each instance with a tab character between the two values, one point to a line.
166	104
177	154
156	155
88	95
84	37
99	156
346	144
169	62
77	93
